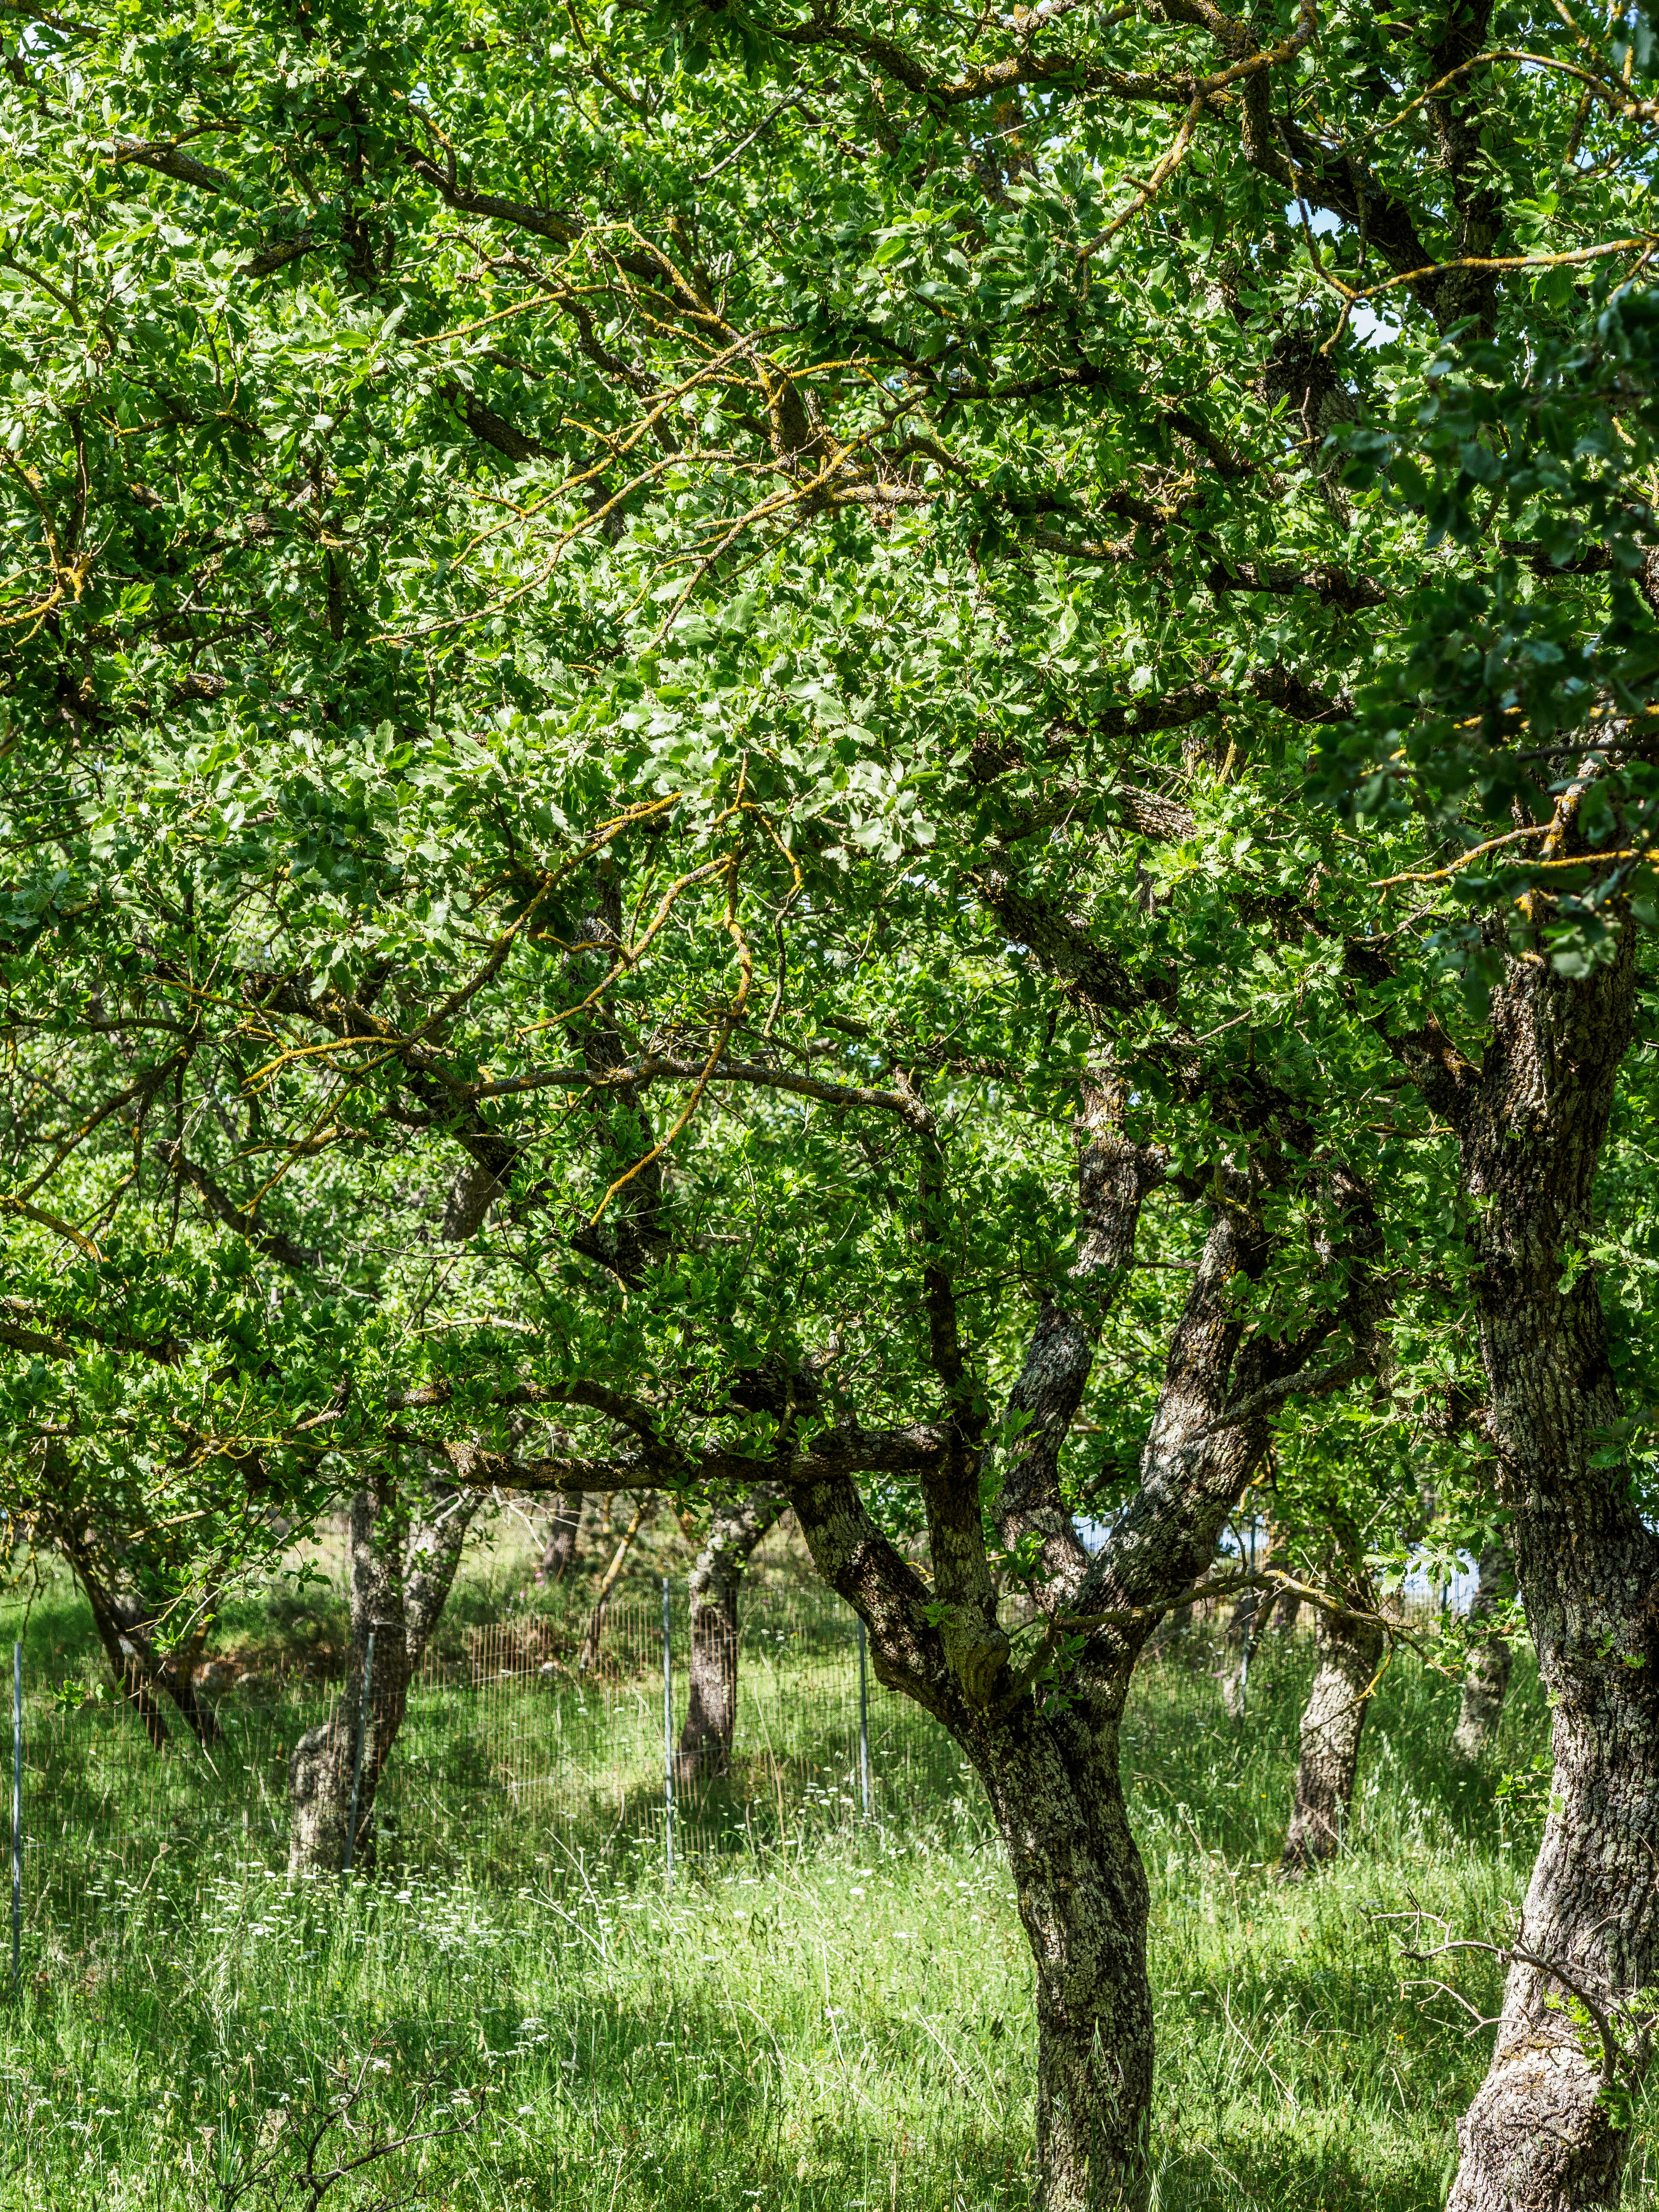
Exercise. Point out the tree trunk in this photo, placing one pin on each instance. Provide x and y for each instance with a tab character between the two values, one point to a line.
1487	1674
715	1579
131	1676
560	1556
405	1552
1542	2135
126	1628
1245	1629
588	1658
1349	1651
1083	1901
1045	1742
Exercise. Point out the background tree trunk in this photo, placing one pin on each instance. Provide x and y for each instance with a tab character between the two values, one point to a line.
1287	1610
716	1577
588	1656
404	1549
1170	1635
1238	1643
1541	2136
1487	1674
127	1628
560	1556
1349	1651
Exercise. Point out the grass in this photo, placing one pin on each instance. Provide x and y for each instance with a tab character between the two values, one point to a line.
838	2017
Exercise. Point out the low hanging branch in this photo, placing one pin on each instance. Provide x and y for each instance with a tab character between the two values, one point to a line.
1602	2012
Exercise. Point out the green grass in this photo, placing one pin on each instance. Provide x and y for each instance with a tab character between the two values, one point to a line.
838	2018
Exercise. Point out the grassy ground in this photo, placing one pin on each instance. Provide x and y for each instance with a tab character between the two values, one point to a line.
805	2029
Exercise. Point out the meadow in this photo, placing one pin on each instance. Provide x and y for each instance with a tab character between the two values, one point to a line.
825	2013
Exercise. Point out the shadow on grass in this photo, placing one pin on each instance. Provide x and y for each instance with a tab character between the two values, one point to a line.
1314	2163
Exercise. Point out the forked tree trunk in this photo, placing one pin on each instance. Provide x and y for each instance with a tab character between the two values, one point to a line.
716	1577
560	1556
1047	1748
1487	1672
1542	2135
405	1550
1349	1651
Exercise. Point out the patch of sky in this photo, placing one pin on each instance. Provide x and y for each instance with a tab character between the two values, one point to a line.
1369	327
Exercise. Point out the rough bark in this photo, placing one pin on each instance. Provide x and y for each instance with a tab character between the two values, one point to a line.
406	1545
560	1556
1486	1673
1349	1649
1541	2136
1044	1742
737	1527
1084	1900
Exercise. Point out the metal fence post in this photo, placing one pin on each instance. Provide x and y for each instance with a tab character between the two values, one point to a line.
864	1721
357	1753
667	1737
16	1815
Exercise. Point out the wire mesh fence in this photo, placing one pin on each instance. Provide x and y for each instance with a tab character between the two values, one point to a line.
511	1758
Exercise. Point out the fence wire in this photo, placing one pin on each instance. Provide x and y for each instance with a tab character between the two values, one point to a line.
509	1761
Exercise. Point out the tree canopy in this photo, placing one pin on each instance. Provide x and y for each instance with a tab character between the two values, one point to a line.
845	509
664	667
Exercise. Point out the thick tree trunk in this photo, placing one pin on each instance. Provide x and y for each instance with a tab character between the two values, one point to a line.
402	1564
560	1557
1486	1673
1542	2135
1349	1651
715	1579
1084	1900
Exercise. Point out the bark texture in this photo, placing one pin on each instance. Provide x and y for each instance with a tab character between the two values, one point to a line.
1083	1901
1046	1743
737	1525
1487	1674
1349	1651
406	1545
1540	2135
